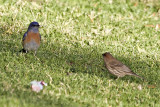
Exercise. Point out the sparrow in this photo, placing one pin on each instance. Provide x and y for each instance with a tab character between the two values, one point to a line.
117	68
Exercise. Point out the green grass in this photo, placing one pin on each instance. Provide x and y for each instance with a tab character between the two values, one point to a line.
75	33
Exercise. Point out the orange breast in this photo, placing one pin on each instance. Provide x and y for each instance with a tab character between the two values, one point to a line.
32	36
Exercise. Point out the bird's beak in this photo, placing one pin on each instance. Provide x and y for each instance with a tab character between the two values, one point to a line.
45	84
103	54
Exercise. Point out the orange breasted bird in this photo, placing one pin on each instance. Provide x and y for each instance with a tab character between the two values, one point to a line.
32	38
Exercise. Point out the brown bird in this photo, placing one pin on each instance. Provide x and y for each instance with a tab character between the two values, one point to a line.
117	68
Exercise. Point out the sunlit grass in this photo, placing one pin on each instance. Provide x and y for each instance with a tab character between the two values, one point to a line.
74	36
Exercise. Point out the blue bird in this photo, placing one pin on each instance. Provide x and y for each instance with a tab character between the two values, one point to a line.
32	38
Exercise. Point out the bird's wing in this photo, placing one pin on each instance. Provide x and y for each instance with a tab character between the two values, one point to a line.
40	36
119	66
24	36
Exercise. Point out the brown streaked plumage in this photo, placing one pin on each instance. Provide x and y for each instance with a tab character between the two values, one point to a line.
117	68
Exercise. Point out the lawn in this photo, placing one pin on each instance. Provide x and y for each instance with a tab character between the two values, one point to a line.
75	33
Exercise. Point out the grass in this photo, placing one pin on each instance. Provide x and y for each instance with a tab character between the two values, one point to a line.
75	33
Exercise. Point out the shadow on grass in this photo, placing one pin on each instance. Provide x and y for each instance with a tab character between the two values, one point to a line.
8	46
8	42
75	59
85	60
89	60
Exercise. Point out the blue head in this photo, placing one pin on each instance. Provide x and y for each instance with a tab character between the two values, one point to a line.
34	26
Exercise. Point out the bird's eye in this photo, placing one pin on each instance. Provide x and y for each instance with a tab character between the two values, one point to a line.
35	25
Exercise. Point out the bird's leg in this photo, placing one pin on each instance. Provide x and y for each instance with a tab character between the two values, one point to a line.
36	56
35	53
117	78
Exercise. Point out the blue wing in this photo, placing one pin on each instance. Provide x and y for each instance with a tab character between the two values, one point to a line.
24	36
40	36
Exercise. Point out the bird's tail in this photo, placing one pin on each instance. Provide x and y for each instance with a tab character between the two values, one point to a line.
138	76
23	50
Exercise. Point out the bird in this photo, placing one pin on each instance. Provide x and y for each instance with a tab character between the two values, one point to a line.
117	68
32	38
37	86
